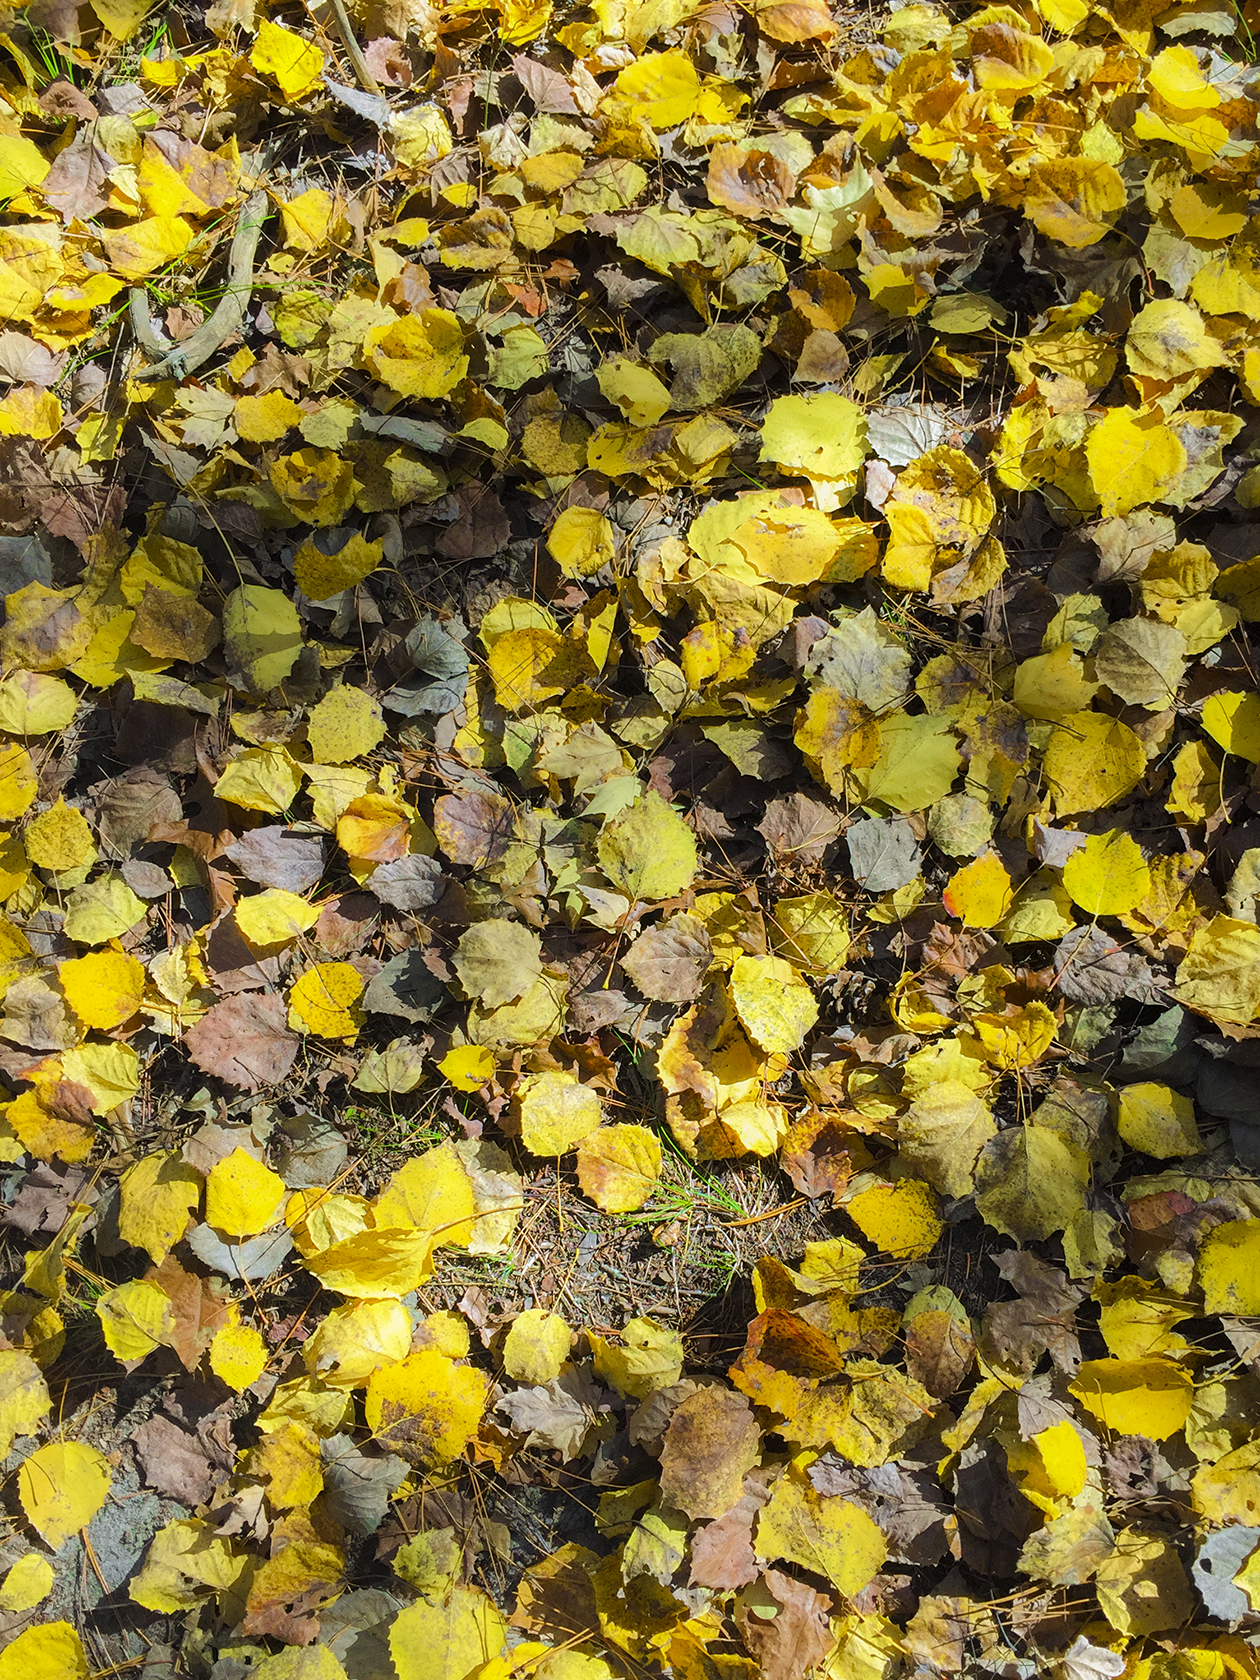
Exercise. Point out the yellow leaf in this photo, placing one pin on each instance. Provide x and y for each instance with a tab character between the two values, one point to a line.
60	839
820	437
375	1265
647	851
1158	1121
580	541
325	1001
274	917
421	355
345	724
555	1112
24	1398
1168	339
468	1066
185	1564
102	910
943	1131
979	893
1030	1182
122	18
1134	458
265	419
243	1197
426	1408
22	165
530	667
356	1339
776	1006
1092	761
238	1355
618	1166
1233	721
315	485
320	576
642	398
307	218
32	703
1219	975
111	1073
1142	1587
432	1192
536	1346
449	1638
827	1536
1108	874
297	66
18	784
27	1584
1150	1397
287	1460
262	636
62	1486
135	1318
1073	200
104	988
901	1219
649	1358
156	1199
660	88
51	1652
263	779
143	247
1229	1268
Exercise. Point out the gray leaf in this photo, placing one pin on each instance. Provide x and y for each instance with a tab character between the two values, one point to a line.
255	1257
1093	968
408	883
370	106
277	857
901	435
863	660
405	987
1217	1561
357	1487
310	1152
434	650
883	853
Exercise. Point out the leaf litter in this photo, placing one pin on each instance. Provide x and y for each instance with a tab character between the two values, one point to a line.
608	610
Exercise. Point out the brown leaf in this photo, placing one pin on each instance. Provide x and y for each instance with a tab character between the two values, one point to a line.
62	99
174	1462
244	1040
173	626
817	1155
556	1597
752	183
669	962
1042	1320
78	183
939	1352
722	1555
473	828
549	89
197	1306
28	363
233	966
128	807
794	1639
711	1442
